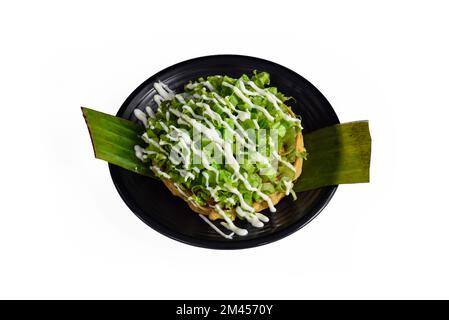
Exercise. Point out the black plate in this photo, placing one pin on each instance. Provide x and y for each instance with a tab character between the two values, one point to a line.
169	215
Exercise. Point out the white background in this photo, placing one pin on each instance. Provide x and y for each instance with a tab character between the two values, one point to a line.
64	231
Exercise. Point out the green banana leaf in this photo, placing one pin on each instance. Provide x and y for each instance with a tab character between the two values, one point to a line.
338	154
113	140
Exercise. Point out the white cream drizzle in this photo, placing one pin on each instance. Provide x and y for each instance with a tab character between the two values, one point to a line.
243	204
142	153
180	98
213	226
245	99
190	110
196	170
158	171
226	149
154	143
164	126
288	186
141	116
207	84
158	99
139	152
241	131
250	217
229	224
262	217
212	191
163	90
256	124
246	91
274	100
278	157
243	115
150	112
241	135
185	174
244	210
181	192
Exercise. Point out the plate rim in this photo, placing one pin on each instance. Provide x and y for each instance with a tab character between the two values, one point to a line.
210	244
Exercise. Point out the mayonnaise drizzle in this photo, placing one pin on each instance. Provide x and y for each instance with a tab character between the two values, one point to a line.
180	98
256	124
139	152
141	116
262	217
152	142
163	90
278	157
158	99
240	134
185	174
289	188
274	101
207	84
164	126
229	224
213	226
250	217
150	112
158	171
245	99
246	91
182	193
142	153
225	106
190	110
244	205
243	115
212	191
240	129
226	149
196	170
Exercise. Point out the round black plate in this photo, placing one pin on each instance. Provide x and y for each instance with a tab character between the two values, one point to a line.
158	208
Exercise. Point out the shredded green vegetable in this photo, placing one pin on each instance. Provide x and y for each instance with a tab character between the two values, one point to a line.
247	144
